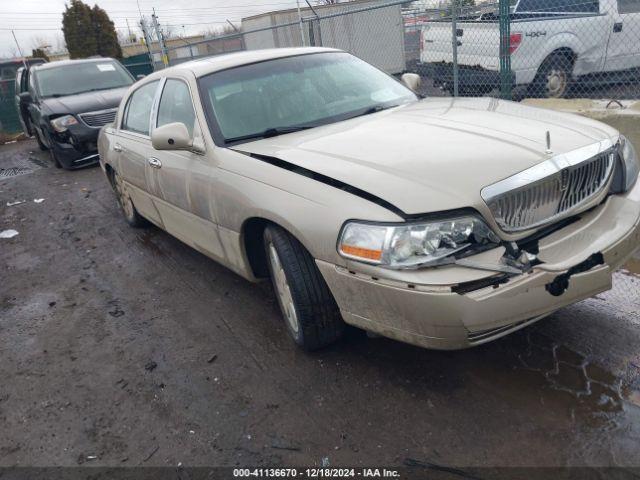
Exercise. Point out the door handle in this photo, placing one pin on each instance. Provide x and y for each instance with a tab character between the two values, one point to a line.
117	147
617	27
154	162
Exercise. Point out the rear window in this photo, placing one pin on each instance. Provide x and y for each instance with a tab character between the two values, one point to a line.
558	6
75	78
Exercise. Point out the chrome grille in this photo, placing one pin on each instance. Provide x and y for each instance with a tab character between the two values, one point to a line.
551	190
99	119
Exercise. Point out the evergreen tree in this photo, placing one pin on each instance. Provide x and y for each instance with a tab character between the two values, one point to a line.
106	36
77	27
89	31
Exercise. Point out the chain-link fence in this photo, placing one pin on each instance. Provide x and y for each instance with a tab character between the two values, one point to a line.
530	48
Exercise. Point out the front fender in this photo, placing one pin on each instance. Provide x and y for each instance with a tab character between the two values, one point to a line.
246	187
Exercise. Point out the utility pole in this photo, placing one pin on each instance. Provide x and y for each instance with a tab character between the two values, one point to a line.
300	23
160	37
24	62
129	30
147	40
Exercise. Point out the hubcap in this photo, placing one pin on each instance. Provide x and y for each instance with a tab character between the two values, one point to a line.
282	289
556	82
123	198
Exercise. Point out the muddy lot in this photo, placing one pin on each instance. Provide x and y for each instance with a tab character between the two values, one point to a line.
125	347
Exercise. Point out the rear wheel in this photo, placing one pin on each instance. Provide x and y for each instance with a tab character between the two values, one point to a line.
131	215
553	79
310	311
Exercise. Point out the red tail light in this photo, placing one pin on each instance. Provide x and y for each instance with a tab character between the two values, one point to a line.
514	42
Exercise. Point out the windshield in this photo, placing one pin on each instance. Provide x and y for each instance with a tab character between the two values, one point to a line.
282	95
81	77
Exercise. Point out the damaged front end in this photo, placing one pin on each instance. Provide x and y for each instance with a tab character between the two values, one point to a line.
73	142
481	296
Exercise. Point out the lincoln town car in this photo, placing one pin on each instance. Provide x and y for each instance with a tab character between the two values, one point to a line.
441	222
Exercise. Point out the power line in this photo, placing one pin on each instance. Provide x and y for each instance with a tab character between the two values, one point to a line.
163	10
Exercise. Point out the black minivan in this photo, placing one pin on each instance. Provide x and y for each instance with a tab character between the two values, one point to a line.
67	102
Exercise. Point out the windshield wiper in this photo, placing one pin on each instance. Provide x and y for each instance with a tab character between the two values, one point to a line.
374	109
270	132
58	95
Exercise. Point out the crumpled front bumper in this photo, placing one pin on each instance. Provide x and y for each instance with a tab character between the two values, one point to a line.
423	308
76	148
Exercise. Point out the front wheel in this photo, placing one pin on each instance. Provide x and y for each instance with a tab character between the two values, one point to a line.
311	314
41	144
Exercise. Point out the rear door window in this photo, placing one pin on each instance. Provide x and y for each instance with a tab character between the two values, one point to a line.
137	115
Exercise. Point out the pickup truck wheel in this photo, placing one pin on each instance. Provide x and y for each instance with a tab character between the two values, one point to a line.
554	77
131	215
310	311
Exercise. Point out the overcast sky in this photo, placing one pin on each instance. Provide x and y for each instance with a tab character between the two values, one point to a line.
40	21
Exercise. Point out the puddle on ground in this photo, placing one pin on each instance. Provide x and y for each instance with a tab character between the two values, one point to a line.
147	240
590	391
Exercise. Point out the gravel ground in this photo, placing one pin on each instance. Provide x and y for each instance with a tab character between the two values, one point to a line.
125	347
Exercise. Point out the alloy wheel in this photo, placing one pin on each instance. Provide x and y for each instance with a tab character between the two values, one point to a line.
283	290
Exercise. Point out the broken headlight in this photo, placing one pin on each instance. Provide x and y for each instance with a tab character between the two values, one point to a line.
630	165
61	124
412	245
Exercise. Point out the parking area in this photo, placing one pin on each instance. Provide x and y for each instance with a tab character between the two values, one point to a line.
125	347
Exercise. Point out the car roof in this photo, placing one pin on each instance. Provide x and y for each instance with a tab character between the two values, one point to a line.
64	63
205	66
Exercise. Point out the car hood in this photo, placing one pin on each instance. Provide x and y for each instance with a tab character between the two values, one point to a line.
435	154
84	102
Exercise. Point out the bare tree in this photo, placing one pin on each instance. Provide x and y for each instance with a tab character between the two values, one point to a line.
218	31
40	42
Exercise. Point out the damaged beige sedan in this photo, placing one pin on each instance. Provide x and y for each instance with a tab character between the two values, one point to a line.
444	223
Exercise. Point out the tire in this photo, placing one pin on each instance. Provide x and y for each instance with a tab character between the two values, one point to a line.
54	158
129	211
553	79
41	144
310	312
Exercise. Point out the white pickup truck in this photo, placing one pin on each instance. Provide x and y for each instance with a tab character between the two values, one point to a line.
552	44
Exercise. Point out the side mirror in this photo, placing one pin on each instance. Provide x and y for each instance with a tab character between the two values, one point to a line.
172	136
412	81
25	97
140	76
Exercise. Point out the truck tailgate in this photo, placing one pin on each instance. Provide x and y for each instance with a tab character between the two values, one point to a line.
479	44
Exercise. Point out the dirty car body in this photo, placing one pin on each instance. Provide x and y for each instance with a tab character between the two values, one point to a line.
444	223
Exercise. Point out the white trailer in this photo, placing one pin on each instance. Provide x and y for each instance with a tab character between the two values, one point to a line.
375	35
